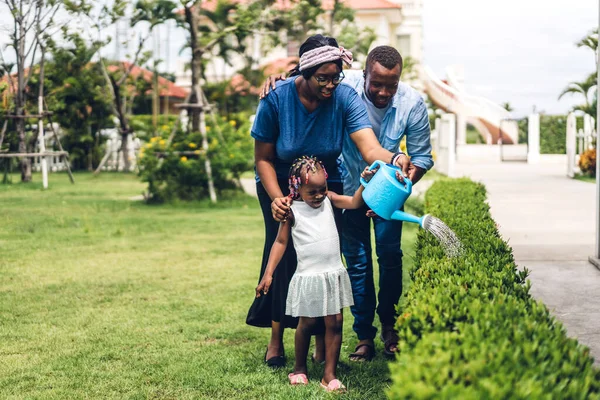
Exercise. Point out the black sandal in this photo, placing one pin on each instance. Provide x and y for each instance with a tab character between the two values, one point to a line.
390	339
362	357
275	361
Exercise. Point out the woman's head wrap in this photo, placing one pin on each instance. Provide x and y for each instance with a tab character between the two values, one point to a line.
324	54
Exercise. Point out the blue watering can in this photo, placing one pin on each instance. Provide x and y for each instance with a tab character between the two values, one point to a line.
385	195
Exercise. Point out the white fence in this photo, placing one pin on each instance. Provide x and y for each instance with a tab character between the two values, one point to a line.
55	163
113	154
578	141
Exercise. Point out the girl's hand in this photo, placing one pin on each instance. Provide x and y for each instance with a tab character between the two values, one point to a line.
367	173
280	207
264	285
371	214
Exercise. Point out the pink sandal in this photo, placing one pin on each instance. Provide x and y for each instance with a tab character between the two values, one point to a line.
334	385
298	379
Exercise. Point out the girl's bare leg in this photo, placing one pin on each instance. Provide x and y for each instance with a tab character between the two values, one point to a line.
333	344
302	343
319	353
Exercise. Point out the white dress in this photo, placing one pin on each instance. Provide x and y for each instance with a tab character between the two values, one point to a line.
320	286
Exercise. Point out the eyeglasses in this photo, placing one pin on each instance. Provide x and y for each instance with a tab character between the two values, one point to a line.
336	79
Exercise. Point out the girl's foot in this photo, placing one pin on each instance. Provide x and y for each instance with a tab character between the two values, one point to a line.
298	379
334	385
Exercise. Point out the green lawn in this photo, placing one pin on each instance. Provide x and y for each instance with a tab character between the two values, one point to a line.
585	178
105	297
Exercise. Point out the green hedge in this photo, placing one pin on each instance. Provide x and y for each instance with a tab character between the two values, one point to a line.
470	328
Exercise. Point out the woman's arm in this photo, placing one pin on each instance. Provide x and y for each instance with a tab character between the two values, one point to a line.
264	155
371	149
275	257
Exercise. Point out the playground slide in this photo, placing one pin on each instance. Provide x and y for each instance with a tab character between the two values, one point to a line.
487	117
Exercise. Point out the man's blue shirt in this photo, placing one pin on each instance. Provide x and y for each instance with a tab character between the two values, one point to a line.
282	119
407	116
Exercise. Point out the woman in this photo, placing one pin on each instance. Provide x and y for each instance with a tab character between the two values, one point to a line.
308	114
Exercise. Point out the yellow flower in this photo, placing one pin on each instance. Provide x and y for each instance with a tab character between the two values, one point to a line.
162	142
165	127
154	139
196	151
232	123
230	155
208	129
192	145
183	159
148	146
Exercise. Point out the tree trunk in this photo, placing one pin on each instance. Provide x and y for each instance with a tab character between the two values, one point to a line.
123	123
24	162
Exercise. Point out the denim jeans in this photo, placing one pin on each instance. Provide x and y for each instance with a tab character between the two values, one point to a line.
356	246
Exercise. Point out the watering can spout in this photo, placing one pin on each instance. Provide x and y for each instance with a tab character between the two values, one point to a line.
406	217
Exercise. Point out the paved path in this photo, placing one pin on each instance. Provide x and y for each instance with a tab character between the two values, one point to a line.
548	220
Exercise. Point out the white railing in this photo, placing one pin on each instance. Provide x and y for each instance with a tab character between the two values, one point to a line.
114	155
578	141
54	163
455	101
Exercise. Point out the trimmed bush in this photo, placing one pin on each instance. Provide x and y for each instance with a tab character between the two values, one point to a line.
470	328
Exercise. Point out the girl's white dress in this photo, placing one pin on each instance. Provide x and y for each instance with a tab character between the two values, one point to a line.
320	286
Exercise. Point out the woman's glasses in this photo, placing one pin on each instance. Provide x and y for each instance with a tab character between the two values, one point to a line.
336	79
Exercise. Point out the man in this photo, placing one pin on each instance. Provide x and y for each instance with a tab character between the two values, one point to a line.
395	110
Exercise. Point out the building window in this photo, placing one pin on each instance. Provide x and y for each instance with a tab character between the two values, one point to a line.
404	45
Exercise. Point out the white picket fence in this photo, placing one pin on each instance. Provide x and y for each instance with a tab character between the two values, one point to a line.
578	141
115	161
55	163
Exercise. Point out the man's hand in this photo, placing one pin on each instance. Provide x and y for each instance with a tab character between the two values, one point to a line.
264	285
404	163
280	207
270	84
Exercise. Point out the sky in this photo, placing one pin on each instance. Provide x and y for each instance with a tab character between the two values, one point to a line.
517	51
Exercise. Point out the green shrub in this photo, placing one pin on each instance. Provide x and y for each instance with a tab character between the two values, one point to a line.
469	327
553	134
178	171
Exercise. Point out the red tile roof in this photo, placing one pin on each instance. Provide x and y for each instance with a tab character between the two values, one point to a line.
166	87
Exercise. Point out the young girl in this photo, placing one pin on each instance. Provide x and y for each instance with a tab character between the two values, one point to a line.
320	286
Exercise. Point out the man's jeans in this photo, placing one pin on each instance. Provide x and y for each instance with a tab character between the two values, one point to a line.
356	246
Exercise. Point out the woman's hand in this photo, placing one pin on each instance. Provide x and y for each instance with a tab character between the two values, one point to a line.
270	84
264	285
280	208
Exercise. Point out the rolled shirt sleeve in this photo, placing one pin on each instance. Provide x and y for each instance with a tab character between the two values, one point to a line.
418	137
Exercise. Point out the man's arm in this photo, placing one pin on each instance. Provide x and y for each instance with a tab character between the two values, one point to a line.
418	142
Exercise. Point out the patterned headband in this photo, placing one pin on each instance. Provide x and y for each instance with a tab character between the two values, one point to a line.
324	54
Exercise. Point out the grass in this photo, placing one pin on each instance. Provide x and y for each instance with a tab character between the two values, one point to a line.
105	297
585	178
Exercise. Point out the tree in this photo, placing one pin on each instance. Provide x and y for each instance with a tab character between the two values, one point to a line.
77	95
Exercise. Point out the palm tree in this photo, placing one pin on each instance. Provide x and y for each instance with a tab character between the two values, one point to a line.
585	88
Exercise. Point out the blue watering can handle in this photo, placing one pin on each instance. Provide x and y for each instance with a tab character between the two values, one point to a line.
377	163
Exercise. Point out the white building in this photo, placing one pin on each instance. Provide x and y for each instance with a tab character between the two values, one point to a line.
398	23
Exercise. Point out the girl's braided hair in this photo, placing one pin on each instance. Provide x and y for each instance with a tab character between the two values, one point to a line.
299	169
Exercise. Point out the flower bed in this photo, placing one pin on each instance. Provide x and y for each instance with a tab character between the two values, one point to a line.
469	327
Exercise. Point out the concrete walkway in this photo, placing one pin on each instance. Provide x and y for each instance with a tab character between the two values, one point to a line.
549	221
